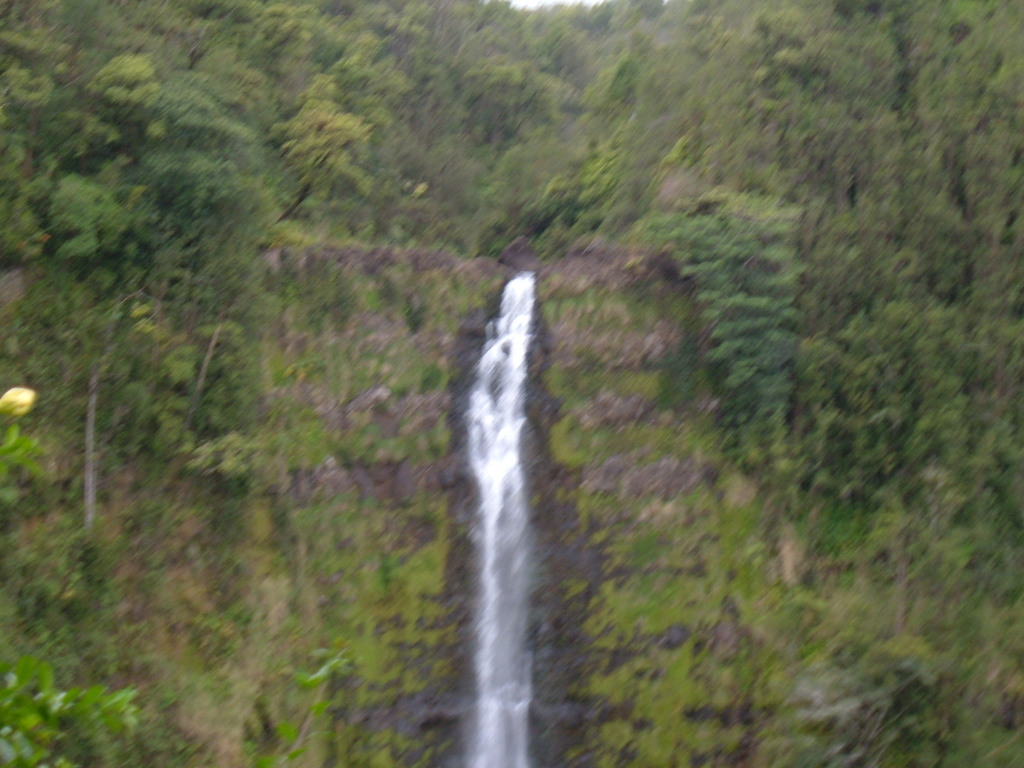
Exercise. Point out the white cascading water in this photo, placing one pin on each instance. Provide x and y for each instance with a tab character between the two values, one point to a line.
496	418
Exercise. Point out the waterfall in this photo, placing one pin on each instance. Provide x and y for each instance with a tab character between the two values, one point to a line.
496	418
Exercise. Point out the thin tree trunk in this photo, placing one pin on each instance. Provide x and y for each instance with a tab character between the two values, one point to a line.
303	194
90	429
28	161
90	448
902	567
202	375
90	416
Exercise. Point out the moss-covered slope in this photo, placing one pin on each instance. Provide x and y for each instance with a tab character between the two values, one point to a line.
675	618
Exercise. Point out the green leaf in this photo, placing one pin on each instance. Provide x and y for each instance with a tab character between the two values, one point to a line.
45	672
25	669
287	731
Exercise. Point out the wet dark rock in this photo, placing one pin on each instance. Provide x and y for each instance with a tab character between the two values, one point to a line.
438	714
368	399
383	478
605	478
404	484
675	636
596	249
665	267
620	475
740	714
701	714
611	410
330	479
725	638
388	423
299	489
475	327
665	478
419	412
577	344
450	474
730	608
426	477
710	473
542	408
566	713
364	482
520	256
617	657
595	262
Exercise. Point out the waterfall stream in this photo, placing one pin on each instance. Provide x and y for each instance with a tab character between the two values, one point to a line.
496	418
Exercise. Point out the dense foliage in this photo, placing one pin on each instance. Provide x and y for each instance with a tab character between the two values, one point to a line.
840	182
35	715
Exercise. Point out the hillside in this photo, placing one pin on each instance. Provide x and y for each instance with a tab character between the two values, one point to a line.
248	252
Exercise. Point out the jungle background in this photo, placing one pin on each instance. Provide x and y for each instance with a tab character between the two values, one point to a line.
784	253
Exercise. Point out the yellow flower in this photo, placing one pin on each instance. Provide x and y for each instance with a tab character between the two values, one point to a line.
17	401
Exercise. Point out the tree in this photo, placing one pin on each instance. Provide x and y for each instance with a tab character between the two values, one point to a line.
89	223
294	740
319	143
746	286
127	86
35	715
502	97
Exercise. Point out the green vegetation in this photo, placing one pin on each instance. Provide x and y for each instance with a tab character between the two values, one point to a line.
34	714
746	291
237	241
296	738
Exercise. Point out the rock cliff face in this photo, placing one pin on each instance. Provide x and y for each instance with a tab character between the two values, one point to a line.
342	518
641	652
652	637
677	618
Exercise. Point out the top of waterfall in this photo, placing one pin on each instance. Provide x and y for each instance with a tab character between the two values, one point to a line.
519	254
518	296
